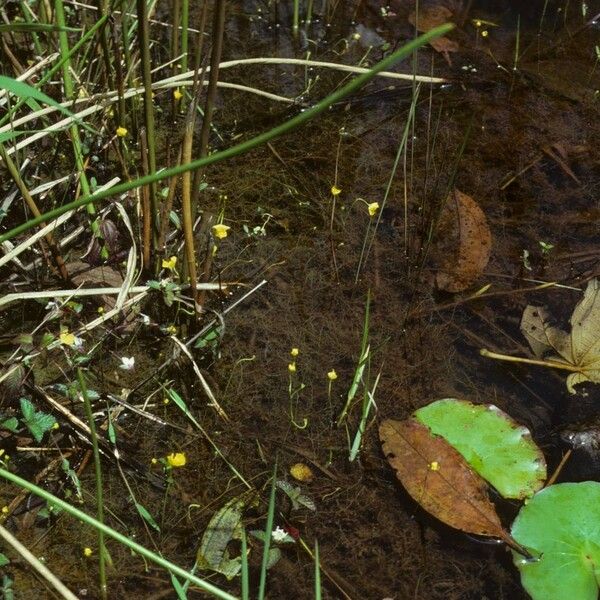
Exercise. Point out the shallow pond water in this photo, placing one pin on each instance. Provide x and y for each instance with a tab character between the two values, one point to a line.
518	135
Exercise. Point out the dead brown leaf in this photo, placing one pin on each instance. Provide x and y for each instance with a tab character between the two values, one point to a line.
439	478
429	18
464	243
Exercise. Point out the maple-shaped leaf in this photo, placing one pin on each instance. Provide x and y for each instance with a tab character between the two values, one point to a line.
578	350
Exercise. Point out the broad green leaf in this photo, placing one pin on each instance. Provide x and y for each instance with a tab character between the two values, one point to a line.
495	446
560	526
4	560
12	424
36	421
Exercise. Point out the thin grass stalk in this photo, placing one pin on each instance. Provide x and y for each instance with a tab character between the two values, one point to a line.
244	575
185	18
74	131
16	175
317	572
146	215
98	477
176	68
144	47
243	147
116	535
267	541
166	207
27	14
309	12
102	10
296	17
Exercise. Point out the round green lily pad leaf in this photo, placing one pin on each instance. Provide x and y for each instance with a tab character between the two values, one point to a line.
495	446
560	526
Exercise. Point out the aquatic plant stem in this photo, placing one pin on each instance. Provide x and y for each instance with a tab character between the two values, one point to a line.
250	144
119	537
98	476
530	361
144	43
267	541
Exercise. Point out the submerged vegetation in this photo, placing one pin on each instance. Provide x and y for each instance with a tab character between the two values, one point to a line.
238	238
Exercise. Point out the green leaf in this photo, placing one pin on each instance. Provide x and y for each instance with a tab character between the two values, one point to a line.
4	560
36	421
12	424
224	526
147	516
559	526
34	27
495	446
23	90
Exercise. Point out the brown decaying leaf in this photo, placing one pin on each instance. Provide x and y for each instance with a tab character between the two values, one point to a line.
439	479
429	18
580	348
467	242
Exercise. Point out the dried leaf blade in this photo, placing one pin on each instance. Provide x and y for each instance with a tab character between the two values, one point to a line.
439	479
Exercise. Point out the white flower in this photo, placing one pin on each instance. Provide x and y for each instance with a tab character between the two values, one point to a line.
145	319
280	535
127	363
52	305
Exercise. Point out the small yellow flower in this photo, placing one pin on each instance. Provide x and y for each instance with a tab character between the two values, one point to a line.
169	263
56	425
478	23
66	338
121	131
176	459
373	208
301	472
101	310
294	352
484	33
220	230
177	94
292	367
332	375
154	460
335	190
166	400
171	329
434	466
5	510
87	552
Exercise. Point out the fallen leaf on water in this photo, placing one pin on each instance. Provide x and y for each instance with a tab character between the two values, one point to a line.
464	243
429	18
579	349
439	478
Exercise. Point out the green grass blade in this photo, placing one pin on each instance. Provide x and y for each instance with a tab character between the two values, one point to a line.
317	572
268	532
245	577
263	138
116	535
34	27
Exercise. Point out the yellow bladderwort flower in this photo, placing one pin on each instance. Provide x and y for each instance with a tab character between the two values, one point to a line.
101	310
484	33
5	510
373	207
154	460
169	263
171	329
292	367
294	352
121	131
220	230
434	466
87	552
177	94
332	375
176	459
335	190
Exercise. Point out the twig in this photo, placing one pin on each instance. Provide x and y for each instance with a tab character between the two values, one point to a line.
35	564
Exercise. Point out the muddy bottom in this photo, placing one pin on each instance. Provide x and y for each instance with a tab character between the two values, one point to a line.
518	135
